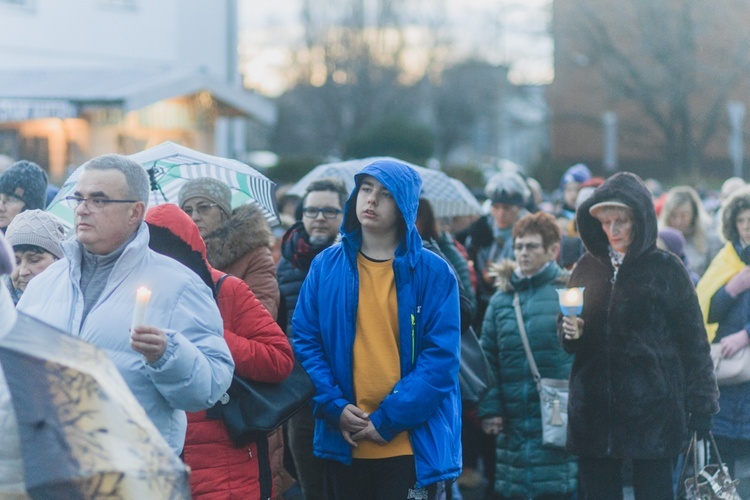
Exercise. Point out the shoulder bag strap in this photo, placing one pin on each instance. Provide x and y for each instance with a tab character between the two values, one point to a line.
217	287
525	340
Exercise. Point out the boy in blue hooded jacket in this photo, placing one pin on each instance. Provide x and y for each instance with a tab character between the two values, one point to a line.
377	327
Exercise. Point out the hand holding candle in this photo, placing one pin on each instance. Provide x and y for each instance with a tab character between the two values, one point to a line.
142	296
571	305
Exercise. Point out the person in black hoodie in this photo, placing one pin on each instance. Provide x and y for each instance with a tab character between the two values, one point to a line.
642	374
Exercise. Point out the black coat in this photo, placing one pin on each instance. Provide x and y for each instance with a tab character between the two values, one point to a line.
642	364
297	254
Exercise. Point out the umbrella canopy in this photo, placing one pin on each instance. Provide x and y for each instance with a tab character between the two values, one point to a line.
83	434
449	197
170	166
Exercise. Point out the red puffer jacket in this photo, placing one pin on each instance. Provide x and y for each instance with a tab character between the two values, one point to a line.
260	351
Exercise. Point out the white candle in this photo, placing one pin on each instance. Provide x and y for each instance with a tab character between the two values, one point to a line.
142	296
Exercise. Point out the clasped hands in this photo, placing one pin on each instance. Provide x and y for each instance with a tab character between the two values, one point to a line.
355	425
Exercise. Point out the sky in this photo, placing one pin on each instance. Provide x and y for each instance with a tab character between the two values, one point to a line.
498	31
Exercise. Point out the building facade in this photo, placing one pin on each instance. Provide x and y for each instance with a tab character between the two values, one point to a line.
87	77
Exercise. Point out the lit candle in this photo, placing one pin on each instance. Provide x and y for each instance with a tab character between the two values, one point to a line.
142	296
571	302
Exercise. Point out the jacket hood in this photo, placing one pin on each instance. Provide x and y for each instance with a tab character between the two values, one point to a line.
246	230
405	185
174	234
629	189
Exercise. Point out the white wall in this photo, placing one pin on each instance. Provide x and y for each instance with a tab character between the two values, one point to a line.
178	34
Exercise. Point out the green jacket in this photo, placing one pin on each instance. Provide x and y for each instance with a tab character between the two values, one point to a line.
524	468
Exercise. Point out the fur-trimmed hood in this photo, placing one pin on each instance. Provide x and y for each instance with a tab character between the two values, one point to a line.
242	233
507	281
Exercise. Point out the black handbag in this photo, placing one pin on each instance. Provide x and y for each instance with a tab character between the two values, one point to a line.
252	409
474	372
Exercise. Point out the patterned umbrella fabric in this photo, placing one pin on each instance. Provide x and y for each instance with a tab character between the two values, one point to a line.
449	197
170	166
83	434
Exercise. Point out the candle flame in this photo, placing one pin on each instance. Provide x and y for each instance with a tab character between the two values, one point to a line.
572	297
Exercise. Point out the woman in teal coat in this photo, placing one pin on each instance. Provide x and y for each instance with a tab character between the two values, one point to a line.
511	408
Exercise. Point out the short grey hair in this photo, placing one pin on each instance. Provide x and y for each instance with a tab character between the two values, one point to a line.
136	177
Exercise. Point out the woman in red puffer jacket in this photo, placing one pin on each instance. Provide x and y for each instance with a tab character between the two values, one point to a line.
260	351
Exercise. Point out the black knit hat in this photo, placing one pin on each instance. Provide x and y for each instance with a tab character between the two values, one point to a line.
26	181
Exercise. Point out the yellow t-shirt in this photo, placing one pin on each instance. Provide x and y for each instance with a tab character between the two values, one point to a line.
377	366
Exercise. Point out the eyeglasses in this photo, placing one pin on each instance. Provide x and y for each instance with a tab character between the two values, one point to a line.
201	209
528	246
95	204
10	200
328	212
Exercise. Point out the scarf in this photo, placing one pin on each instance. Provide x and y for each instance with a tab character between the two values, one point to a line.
296	247
726	264
616	259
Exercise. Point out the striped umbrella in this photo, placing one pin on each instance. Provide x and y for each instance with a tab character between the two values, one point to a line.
449	197
170	165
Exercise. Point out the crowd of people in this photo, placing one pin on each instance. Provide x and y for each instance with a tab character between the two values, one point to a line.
370	291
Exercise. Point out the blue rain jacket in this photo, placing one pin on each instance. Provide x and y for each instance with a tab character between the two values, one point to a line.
426	401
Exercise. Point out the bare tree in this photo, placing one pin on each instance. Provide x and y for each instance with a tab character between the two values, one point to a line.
677	61
360	54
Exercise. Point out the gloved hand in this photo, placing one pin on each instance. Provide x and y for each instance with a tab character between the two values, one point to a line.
739	282
700	423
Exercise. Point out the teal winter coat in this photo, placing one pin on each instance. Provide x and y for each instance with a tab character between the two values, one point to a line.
524	468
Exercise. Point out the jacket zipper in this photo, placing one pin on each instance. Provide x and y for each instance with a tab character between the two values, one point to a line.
613	280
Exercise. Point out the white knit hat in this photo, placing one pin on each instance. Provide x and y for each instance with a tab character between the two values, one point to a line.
39	228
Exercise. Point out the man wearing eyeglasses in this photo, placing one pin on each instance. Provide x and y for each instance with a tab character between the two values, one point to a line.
322	213
177	360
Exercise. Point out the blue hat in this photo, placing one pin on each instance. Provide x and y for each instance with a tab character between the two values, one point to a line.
579	173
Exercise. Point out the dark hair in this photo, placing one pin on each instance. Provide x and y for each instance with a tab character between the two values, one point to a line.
328	184
739	201
540	223
165	242
31	248
426	220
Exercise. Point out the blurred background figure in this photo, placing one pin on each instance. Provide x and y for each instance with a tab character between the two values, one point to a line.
683	210
570	183
35	236
489	239
672	240
725	299
23	186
